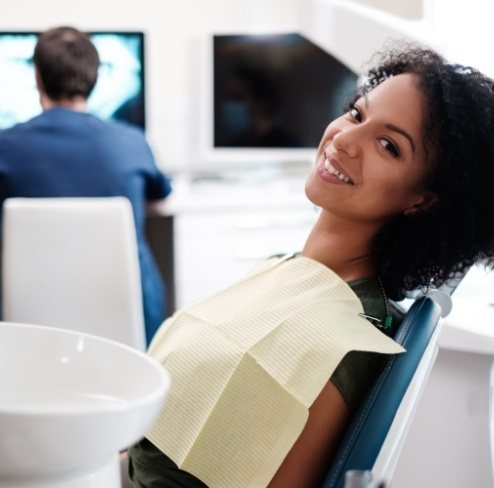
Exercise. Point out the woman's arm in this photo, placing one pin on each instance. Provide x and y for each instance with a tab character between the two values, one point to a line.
310	456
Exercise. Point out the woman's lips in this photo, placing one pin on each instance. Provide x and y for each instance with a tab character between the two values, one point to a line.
329	166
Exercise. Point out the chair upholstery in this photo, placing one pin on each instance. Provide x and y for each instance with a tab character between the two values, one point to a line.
72	263
377	431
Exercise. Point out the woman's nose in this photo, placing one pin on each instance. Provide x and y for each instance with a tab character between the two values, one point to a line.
348	140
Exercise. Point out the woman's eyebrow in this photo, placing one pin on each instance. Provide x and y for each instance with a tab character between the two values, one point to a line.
394	128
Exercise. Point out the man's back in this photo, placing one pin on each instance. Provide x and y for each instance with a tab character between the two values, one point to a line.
68	153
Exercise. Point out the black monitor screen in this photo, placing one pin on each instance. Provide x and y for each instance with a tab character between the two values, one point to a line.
277	91
119	91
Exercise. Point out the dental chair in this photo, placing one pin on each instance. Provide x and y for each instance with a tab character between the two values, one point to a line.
377	432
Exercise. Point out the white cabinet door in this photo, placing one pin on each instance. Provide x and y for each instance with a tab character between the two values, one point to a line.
214	249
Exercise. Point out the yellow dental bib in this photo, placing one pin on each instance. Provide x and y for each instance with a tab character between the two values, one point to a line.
247	363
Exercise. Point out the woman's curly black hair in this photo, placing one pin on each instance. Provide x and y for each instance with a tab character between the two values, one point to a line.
441	243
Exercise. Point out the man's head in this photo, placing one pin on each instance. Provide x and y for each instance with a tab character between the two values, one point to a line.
66	64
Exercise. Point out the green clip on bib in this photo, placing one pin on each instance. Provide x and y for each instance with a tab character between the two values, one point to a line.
247	363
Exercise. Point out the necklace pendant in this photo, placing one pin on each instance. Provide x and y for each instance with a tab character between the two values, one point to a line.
388	322
379	323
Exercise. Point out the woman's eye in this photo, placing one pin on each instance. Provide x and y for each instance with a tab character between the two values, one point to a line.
390	147
355	114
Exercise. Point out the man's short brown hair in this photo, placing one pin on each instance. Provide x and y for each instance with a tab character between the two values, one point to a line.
67	63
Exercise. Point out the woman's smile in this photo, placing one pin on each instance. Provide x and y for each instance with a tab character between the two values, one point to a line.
332	167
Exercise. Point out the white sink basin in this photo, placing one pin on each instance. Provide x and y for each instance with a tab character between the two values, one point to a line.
69	402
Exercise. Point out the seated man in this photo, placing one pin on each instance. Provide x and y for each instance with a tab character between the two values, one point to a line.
66	152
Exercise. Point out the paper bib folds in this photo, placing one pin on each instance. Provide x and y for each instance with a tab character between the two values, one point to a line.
247	363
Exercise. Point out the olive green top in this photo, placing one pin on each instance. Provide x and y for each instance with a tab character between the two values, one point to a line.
357	370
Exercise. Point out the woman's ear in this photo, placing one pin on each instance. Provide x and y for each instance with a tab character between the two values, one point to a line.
422	204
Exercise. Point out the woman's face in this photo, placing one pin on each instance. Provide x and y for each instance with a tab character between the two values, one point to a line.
370	164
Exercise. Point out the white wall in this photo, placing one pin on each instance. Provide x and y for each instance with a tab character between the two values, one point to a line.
175	34
464	29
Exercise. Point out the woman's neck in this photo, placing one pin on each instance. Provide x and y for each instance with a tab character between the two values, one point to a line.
342	246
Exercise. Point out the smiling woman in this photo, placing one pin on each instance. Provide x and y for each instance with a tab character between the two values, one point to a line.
370	169
266	374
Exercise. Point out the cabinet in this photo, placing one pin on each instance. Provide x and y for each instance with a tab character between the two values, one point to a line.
218	243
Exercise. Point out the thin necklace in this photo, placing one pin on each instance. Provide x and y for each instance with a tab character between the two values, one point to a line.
388	319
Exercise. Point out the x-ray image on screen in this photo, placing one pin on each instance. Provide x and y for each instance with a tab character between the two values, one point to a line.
118	94
119	91
19	99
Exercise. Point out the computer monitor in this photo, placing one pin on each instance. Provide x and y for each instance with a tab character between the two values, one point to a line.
271	96
119	93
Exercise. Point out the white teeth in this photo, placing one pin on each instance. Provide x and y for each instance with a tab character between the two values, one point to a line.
334	171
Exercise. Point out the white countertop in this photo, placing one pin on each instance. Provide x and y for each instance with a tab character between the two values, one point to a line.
269	189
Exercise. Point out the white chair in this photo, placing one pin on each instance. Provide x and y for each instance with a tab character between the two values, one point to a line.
72	263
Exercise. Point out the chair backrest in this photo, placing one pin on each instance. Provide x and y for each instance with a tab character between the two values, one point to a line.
72	263
376	434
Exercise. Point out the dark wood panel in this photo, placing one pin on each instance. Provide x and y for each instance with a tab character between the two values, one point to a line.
160	235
